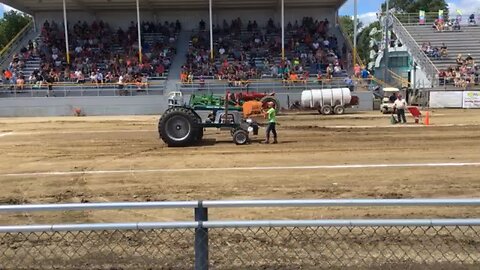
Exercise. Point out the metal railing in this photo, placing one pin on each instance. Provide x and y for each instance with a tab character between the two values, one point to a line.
430	17
265	244
278	86
415	50
10	46
84	89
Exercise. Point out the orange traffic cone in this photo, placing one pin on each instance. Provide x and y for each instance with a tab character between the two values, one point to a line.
427	119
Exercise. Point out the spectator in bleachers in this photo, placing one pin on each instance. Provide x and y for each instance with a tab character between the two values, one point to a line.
463	75
443	50
439	25
471	20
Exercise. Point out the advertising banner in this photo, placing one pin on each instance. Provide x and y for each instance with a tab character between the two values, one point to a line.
471	99
446	99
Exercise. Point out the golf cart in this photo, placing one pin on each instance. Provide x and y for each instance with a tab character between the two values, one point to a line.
387	104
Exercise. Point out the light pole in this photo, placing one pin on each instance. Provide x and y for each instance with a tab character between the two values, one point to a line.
385	53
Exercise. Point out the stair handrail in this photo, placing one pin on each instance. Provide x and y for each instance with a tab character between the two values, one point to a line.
399	78
415	50
341	28
15	39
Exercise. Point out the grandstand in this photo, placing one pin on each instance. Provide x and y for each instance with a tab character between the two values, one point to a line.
104	53
425	43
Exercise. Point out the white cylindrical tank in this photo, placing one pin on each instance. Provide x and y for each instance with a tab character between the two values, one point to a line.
316	98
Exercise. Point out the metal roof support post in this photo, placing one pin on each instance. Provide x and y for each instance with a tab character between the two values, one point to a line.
139	33
283	29
355	31
210	12
67	50
34	23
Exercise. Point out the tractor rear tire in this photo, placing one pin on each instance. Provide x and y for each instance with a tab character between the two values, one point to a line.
326	110
179	127
240	137
267	99
199	135
339	109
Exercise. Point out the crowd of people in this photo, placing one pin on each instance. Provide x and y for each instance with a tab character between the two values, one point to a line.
435	51
464	74
453	24
242	54
243	51
98	54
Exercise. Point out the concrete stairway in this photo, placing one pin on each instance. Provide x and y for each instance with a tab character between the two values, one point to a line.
32	63
466	41
179	59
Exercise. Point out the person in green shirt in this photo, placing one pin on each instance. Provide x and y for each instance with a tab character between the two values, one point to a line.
272	120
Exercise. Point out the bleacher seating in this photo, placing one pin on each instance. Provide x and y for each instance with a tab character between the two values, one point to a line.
251	52
460	43
98	54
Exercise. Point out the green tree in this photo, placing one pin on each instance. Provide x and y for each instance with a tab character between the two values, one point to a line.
347	26
413	6
11	23
364	38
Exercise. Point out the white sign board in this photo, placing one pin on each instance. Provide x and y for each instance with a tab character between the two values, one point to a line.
471	99
446	99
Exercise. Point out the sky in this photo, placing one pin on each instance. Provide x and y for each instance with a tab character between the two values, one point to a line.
367	9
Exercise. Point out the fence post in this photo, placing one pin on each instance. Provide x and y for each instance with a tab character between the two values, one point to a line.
201	238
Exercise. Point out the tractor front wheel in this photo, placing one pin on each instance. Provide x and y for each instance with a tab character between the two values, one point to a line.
240	137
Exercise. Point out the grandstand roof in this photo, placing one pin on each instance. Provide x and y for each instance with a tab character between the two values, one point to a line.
32	6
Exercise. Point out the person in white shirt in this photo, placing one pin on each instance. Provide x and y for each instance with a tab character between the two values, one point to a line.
400	105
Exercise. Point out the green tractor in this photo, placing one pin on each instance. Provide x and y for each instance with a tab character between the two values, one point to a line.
182	125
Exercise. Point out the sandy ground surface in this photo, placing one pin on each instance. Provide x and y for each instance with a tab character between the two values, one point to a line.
66	144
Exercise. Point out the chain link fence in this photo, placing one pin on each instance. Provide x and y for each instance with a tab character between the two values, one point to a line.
258	244
347	247
117	249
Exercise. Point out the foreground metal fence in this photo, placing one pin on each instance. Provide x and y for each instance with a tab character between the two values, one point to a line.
261	244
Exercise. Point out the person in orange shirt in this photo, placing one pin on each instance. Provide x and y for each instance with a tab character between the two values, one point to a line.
7	74
357	70
293	77
183	77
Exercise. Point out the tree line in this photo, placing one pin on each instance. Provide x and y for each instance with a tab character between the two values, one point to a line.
11	23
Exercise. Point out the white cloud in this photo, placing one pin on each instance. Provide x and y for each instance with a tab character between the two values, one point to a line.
7	8
367	18
466	6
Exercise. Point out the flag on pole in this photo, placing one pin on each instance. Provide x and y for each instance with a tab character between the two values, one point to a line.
422	17
440	15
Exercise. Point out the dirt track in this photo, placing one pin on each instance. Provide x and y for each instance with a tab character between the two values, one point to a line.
32	145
